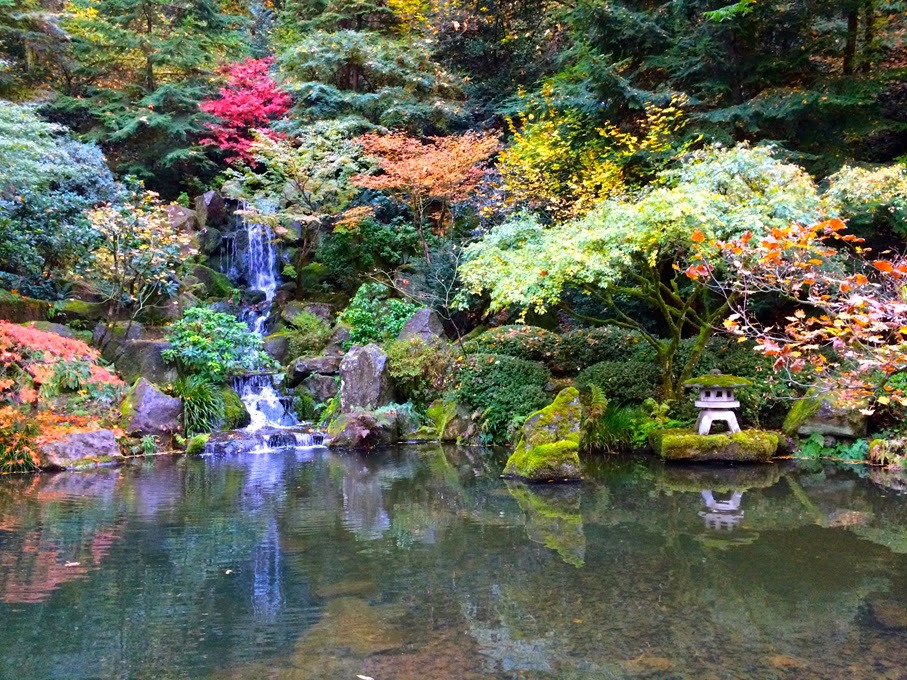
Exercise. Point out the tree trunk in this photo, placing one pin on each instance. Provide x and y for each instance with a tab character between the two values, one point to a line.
869	17
850	47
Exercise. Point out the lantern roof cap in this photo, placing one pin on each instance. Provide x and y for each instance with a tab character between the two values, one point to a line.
717	380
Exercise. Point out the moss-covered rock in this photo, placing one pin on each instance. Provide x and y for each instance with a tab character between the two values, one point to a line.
21	309
748	446
196	445
51	327
236	415
549	447
69	311
277	346
829	414
216	285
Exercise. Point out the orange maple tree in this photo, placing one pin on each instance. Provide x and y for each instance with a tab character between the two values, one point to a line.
849	321
439	172
34	366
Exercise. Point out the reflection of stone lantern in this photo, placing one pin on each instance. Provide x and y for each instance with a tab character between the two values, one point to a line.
722	515
716	400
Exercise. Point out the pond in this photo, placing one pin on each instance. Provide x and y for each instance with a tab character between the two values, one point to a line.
420	562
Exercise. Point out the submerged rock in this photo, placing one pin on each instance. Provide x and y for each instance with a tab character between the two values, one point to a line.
79	450
828	414
148	411
365	381
748	446
549	447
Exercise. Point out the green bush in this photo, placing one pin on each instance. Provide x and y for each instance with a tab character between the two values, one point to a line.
583	347
623	382
214	345
373	316
309	335
523	342
505	389
203	404
420	370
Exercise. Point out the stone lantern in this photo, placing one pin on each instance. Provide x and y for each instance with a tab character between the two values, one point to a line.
716	400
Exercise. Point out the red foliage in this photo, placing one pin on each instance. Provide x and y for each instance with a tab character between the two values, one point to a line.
249	102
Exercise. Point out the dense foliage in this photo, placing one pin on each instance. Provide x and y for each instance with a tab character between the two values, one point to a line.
373	316
214	345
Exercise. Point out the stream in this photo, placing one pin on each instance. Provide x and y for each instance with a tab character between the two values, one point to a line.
420	562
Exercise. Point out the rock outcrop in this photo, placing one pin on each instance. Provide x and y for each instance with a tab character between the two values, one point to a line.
425	325
365	381
362	429
81	449
829	414
148	411
549	447
306	366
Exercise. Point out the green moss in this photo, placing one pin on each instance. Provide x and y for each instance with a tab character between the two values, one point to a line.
21	309
196	445
746	446
559	421
236	416
304	405
78	310
717	380
802	410
89	462
556	460
127	406
217	285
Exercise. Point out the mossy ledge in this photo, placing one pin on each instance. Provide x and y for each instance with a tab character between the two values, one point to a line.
749	446
196	445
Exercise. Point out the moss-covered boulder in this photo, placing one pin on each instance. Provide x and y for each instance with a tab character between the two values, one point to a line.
80	450
143	358
363	429
216	285
749	446
277	346
51	327
549	447
236	415
69	311
827	414
21	309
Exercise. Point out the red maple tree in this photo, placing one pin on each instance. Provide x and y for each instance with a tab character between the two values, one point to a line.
250	101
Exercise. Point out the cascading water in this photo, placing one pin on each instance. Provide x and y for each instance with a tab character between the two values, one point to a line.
272	418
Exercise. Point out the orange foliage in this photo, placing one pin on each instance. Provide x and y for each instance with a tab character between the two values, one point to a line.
441	170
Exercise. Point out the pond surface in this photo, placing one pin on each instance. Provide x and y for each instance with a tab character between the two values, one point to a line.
422	563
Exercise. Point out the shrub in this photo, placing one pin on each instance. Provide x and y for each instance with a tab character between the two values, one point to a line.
16	442
523	342
214	345
505	389
420	370
203	404
373	316
309	335
583	347
48	181
623	382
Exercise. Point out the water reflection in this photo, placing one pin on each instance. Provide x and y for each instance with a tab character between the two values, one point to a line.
421	562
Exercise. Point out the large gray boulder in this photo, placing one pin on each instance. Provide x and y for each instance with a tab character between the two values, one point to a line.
321	387
143	359
182	219
277	346
365	381
79	450
148	411
425	325
363	430
210	209
307	366
51	327
335	346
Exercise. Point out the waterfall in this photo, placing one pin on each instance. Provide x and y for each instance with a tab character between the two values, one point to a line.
268	408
